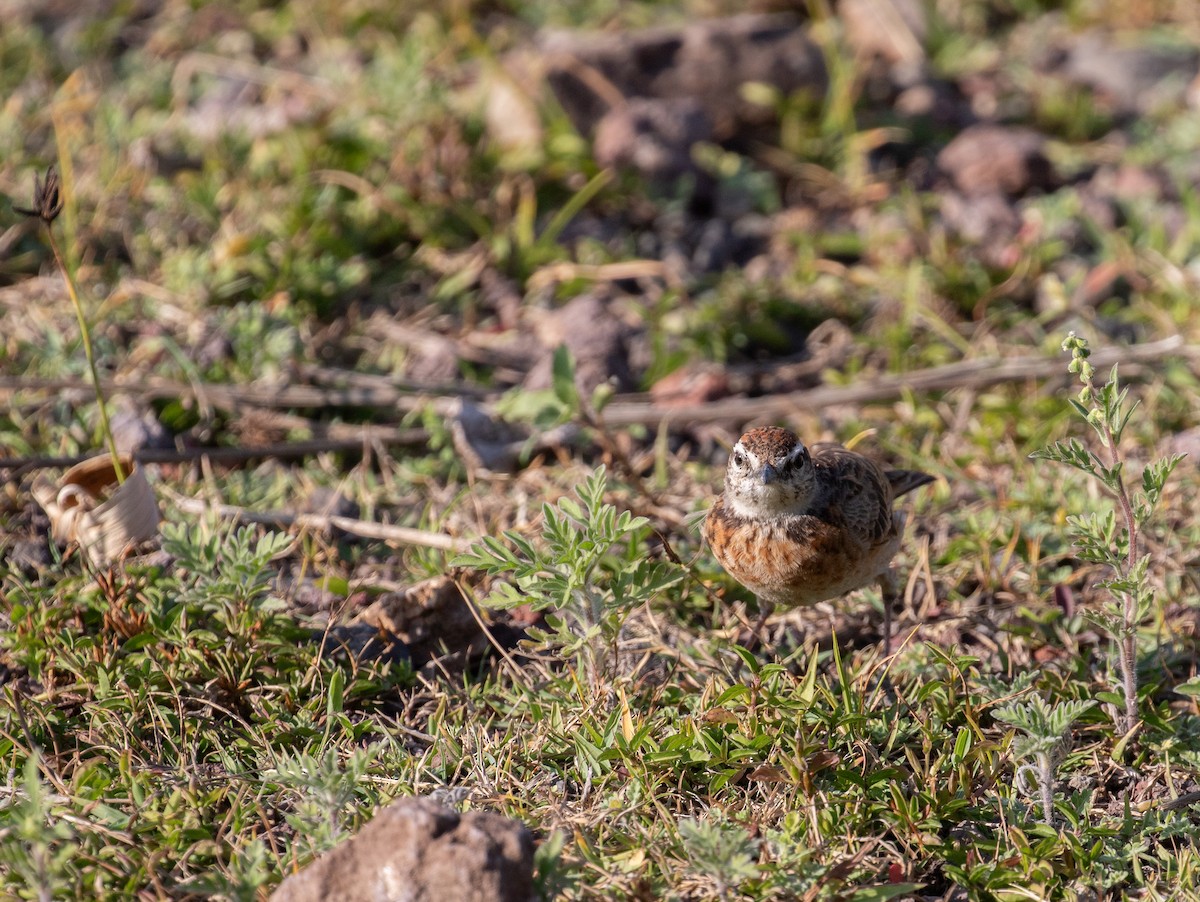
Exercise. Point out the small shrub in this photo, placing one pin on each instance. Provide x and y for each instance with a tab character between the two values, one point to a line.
1098	536
588	572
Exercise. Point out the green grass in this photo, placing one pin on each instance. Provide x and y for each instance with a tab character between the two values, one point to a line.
177	726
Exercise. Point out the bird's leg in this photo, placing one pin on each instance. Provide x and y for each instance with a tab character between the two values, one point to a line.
891	594
766	610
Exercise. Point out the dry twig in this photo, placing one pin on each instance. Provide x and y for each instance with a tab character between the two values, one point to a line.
367	529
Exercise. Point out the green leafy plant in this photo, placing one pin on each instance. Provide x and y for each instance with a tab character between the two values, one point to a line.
550	407
326	788
560	404
549	876
151	648
35	840
588	571
724	853
1098	536
223	578
250	869
514	241
1046	727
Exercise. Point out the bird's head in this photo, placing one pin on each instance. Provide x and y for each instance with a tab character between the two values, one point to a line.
770	474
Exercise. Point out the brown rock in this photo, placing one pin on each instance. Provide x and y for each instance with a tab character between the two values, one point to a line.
501	294
988	217
694	383
432	362
937	101
1131	77
359	644
1115	192
655	137
707	61
996	159
417	850
430	618
1129	182
648	96
137	429
597	339
489	444
1186	442
327	502
893	30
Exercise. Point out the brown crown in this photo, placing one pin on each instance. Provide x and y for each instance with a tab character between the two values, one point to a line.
769	443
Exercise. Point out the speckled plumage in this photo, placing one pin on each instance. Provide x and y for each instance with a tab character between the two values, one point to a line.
797	526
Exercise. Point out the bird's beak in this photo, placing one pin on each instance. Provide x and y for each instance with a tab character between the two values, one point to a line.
769	474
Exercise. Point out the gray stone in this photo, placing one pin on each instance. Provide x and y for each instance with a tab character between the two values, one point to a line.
652	136
417	850
1130	76
707	61
597	339
997	159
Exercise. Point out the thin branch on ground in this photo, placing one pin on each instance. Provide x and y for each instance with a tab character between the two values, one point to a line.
366	529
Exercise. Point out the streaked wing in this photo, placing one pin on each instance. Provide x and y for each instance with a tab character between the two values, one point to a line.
858	491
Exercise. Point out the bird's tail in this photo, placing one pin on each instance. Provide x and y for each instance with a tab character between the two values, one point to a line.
903	481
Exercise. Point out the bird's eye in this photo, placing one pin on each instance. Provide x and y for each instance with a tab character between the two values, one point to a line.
798	458
739	459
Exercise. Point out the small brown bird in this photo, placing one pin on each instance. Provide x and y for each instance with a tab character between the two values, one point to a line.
796	528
